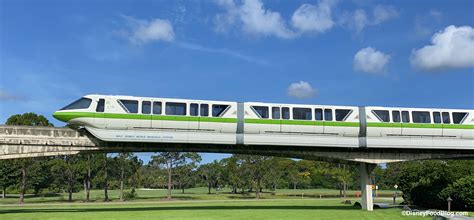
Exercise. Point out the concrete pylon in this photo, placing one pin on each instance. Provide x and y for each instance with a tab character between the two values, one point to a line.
366	186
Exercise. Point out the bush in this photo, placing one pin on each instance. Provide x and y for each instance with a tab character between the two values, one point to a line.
129	195
461	192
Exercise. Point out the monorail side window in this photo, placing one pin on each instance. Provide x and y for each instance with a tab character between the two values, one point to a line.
328	114
219	110
437	117
275	112
157	108
130	106
458	117
204	110
100	105
194	109
262	111
285	113
341	114
383	115
446	118
405	117
175	108
81	103
318	114
146	107
302	114
421	117
395	116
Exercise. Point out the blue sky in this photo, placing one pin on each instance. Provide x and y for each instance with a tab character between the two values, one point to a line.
403	53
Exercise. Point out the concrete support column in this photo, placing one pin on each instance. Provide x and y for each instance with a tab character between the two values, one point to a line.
366	186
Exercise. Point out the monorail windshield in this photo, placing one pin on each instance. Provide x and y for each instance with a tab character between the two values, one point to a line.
82	103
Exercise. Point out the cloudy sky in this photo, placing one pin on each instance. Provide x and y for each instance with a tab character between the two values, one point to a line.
404	53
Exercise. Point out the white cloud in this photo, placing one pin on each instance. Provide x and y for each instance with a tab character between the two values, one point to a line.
313	18
359	19
370	60
143	31
253	19
301	90
452	47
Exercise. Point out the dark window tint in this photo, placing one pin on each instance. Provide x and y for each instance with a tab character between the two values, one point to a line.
276	112
341	114
436	117
194	109
100	105
262	111
446	119
458	117
204	110
175	108
131	106
405	117
383	115
302	114
146	107
285	113
81	103
318	114
395	116
218	110
421	117
157	108
328	114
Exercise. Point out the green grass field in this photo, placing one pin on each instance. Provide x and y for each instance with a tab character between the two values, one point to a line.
196	204
210	209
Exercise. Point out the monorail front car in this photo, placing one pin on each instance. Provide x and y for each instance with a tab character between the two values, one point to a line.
144	119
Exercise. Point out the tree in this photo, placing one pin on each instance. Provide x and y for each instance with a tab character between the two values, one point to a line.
343	176
212	174
8	175
171	160
128	164
28	119
186	173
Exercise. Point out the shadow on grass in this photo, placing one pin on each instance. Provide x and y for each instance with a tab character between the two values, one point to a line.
171	208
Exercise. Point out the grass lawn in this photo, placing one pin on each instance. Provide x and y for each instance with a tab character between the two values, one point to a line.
210	209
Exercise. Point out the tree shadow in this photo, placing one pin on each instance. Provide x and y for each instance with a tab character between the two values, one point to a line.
171	208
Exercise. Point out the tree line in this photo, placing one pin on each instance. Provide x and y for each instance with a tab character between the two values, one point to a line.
423	183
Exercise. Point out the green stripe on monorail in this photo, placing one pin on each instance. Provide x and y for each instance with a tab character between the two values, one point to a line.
301	122
418	125
66	116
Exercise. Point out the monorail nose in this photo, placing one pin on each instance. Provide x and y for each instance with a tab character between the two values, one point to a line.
61	116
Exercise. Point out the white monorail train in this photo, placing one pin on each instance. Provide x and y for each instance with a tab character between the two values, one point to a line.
145	119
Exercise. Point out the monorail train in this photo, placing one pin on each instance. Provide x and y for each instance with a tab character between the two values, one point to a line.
146	119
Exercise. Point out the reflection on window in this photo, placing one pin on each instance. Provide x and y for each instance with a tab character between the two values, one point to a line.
405	117
218	110
446	118
100	106
130	106
421	117
383	115
262	111
285	113
328	114
81	103
437	117
146	107
275	112
205	110
458	117
175	108
395	116
318	114
194	109
341	114
157	108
